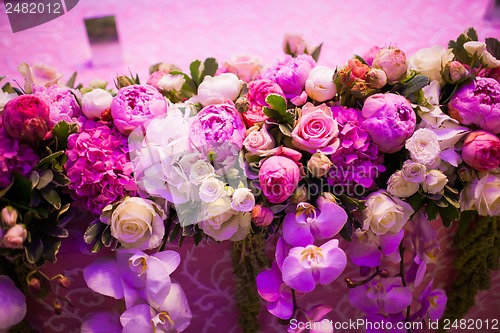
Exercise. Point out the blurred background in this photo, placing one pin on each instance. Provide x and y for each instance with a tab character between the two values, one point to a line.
179	32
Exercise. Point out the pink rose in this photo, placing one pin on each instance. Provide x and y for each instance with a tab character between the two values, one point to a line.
481	150
15	237
258	142
257	94
316	130
393	62
245	67
26	118
278	178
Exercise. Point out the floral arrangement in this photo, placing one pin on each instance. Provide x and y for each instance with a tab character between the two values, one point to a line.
318	166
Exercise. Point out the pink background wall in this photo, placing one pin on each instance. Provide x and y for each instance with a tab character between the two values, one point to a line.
181	31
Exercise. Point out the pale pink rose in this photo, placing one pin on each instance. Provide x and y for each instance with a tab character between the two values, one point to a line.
246	67
258	142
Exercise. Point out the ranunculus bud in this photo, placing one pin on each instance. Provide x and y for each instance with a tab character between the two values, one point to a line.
95	102
320	85
9	216
481	150
393	62
319	164
262	216
34	285
453	72
376	78
26	118
15	237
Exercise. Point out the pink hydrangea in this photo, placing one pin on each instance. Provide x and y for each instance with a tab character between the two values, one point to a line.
390	120
14	157
62	103
478	103
136	106
98	166
357	160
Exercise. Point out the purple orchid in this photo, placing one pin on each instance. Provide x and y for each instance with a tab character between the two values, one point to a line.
312	319
309	223
304	267
278	295
383	296
367	249
433	303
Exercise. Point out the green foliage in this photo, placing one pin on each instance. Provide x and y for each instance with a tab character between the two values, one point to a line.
277	110
459	50
249	259
493	47
410	86
317	51
478	246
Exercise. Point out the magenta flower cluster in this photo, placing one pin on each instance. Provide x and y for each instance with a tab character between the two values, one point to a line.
98	166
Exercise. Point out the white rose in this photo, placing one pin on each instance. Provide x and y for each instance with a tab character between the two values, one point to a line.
489	60
223	223
211	189
95	102
479	49
243	200
219	89
319	84
424	146
201	171
398	186
171	82
244	66
483	195
434	182
413	171
138	223
430	61
385	214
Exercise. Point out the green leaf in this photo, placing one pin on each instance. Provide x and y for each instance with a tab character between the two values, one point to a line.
448	214
285	129
33	249
317	52
45	178
52	197
276	102
5	190
106	237
472	34
458	46
466	218
416	201
363	61
452	201
61	132
431	210
94	231
194	68
60	179
21	188
51	247
493	47
415	84
209	68
55	231
44	162
71	81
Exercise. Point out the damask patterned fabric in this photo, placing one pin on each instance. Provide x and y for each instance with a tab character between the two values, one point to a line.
181	31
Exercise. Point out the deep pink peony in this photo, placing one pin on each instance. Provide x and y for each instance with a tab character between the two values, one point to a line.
14	156
136	106
218	130
291	74
316	130
478	103
98	166
390	120
26	118
257	92
278	178
62	103
481	150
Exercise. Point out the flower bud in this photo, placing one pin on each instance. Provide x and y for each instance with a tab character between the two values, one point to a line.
376	78
384	273
124	81
98	84
34	285
65	282
319	164
466	174
393	62
299	195
57	307
15	237
95	102
453	72
262	216
9	216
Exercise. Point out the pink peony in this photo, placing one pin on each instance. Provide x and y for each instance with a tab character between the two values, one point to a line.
278	178
26	118
481	150
136	106
218	132
62	103
316	130
257	94
393	62
390	120
478	103
98	166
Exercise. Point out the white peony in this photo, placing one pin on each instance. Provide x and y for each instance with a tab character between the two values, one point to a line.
320	85
398	186
430	61
95	102
385	214
219	89
434	182
171	82
243	200
424	146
